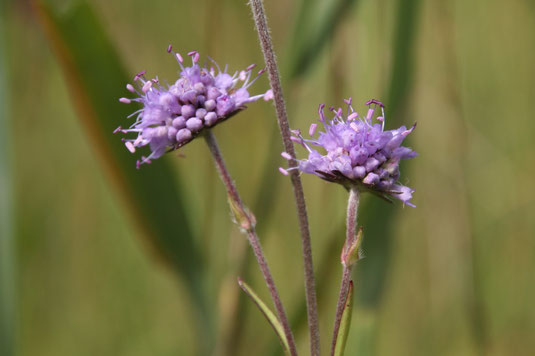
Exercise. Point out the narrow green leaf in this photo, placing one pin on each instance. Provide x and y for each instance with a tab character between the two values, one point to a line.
377	216
345	324
7	248
316	23
271	318
96	79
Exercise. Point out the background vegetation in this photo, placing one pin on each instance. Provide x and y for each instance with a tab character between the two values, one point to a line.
97	258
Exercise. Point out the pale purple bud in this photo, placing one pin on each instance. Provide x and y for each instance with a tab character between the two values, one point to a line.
371	179
179	122
210	118
183	135
171	133
359	171
371	164
200	113
210	105
187	111
194	124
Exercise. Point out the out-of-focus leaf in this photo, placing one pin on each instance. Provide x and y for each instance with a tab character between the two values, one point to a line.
271	318
7	248
96	80
315	26
377	217
345	323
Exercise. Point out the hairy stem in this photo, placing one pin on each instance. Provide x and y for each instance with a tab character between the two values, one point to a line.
247	222
351	228
280	108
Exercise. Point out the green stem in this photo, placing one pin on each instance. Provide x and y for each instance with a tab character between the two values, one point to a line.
351	229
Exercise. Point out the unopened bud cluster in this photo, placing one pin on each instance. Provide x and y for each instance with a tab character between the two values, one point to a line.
173	115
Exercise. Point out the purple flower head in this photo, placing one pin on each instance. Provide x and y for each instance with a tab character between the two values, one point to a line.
173	115
358	151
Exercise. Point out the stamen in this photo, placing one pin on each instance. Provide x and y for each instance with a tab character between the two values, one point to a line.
179	58
312	129
130	147
283	171
169	49
146	86
286	156
353	116
139	75
369	115
268	95
130	88
373	101
214	62
125	100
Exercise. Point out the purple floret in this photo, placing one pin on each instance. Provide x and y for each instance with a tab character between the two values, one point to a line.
357	152
173	115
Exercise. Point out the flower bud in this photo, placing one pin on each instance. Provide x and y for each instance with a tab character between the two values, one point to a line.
352	253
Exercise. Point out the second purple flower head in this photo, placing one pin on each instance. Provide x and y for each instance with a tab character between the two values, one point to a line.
358	151
173	115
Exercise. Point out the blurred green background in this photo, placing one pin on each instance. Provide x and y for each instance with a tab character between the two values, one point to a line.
97	258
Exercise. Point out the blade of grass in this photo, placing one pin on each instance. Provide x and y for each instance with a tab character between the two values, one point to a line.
96	80
7	248
377	216
271	318
316	24
345	324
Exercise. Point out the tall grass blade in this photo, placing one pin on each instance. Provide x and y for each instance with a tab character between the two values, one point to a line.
316	23
7	242
268	314
152	195
345	324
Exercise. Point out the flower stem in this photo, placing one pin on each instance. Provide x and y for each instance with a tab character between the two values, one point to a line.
351	228
247	222
280	108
